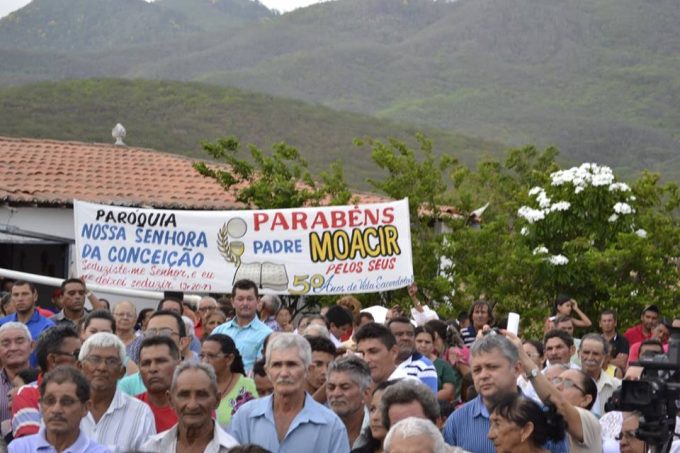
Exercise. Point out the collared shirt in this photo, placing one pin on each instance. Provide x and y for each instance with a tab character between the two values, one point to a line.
419	366
5	387
606	385
469	425
125	425
38	443
36	323
364	434
166	442
636	335
60	318
249	338
314	429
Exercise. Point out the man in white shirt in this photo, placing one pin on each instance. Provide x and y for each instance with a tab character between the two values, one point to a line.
194	396
592	351
116	420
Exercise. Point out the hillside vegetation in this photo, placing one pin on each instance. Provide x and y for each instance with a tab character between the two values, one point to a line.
598	78
178	117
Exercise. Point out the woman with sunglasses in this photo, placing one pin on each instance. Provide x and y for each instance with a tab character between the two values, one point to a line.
573	394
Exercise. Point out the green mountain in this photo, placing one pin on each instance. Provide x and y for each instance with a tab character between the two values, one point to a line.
598	78
218	15
177	117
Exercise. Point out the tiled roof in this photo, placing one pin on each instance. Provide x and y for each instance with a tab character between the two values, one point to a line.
53	173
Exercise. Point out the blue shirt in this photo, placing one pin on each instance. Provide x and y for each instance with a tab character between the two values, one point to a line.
132	385
36	323
419	366
315	429
469	426
38	443
248	339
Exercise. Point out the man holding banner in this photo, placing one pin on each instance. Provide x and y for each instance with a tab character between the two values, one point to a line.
247	331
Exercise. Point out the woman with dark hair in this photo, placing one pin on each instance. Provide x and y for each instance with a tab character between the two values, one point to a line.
448	379
519	425
234	387
564	305
375	432
143	319
481	314
573	394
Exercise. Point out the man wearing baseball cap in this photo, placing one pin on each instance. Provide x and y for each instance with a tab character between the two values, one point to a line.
643	331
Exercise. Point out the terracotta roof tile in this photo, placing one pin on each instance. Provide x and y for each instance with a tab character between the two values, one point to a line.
49	173
53	173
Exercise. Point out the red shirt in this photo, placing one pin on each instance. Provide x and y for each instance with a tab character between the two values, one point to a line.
165	417
25	409
636	335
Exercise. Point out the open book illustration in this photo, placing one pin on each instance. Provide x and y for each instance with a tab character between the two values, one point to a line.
267	275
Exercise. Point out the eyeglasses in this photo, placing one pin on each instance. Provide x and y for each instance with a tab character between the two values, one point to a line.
211	356
124	315
164	332
567	383
74	355
96	360
628	435
207	309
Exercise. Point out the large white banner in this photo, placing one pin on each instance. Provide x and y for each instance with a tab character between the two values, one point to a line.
329	250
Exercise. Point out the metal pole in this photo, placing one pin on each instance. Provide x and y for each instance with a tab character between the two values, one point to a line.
52	281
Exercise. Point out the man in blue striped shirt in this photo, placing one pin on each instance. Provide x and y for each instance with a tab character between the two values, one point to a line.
412	362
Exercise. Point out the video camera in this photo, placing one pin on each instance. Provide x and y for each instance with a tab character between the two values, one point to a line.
656	396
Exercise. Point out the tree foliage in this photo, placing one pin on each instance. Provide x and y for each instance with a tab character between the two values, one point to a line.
544	231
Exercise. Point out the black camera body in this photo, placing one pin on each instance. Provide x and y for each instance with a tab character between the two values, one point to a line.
656	396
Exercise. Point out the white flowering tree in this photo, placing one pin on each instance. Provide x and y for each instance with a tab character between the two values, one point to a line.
578	231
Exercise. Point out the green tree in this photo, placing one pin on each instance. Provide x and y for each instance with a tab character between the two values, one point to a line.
422	178
277	181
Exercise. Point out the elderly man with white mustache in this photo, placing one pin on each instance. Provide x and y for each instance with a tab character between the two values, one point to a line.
289	419
592	352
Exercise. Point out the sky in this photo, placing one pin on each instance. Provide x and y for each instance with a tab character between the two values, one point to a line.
7	6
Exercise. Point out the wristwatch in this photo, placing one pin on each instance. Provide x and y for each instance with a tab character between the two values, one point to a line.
531	375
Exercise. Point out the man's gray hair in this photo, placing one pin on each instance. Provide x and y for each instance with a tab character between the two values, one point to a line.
414	426
289	340
124	302
17	325
207	299
490	342
595	337
407	391
316	330
272	302
355	367
102	340
204	367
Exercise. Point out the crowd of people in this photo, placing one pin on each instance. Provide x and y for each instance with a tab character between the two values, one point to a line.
240	374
